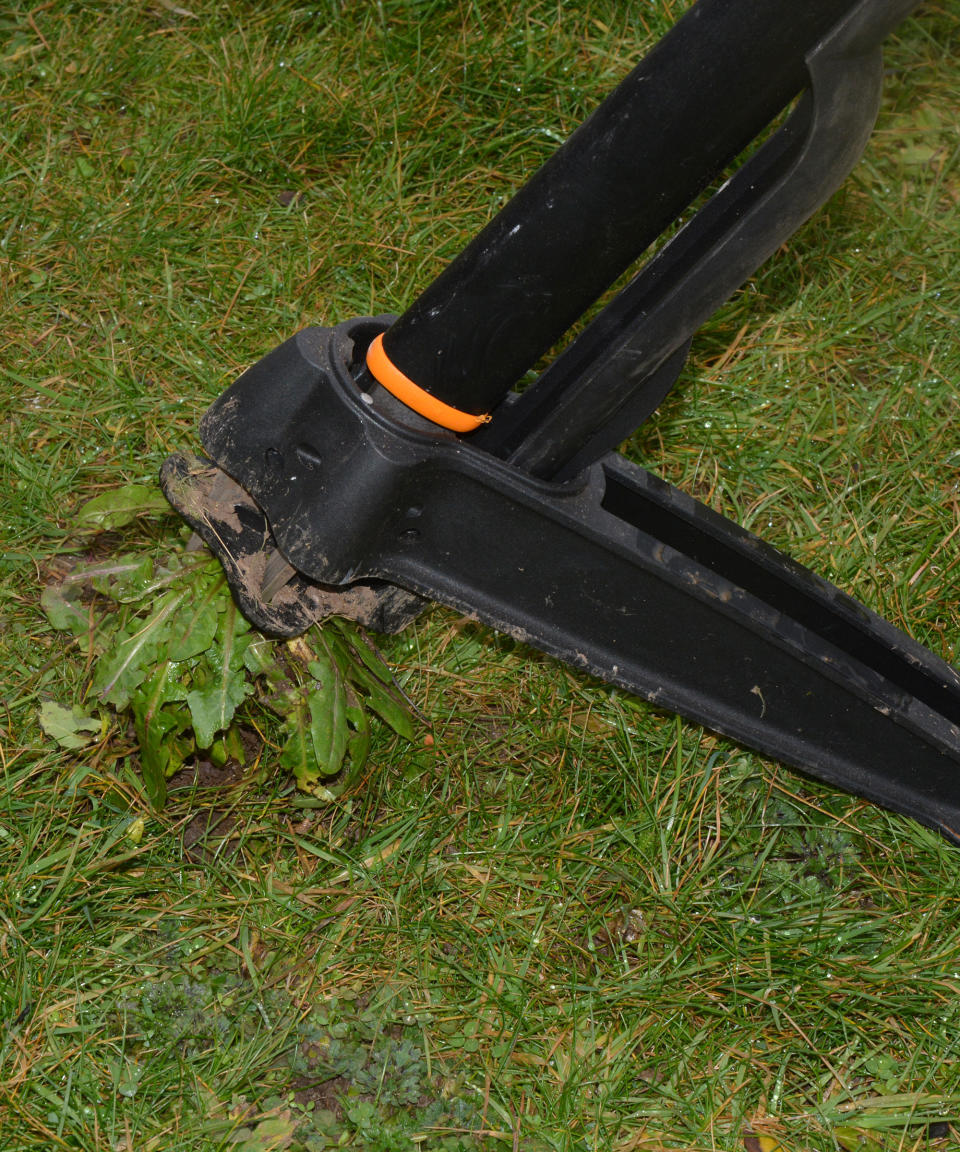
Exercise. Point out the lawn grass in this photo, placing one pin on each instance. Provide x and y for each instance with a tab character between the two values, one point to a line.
559	919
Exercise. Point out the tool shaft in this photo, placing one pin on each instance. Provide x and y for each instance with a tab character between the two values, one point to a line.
707	89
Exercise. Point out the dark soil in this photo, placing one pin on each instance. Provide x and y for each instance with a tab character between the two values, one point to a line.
208	835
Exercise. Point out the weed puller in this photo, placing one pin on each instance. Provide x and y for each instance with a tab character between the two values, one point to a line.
365	468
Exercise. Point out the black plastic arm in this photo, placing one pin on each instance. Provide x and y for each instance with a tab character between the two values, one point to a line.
707	89
617	372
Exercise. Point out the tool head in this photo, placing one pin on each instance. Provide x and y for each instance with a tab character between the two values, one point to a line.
271	593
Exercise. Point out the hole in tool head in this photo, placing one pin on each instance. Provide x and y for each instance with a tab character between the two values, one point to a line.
362	333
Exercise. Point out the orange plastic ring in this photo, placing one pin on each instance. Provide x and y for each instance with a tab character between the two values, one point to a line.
416	397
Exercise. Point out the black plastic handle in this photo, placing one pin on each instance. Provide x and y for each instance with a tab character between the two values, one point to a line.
708	88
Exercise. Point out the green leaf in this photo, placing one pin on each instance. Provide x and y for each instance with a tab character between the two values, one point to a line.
122	670
71	727
213	708
156	728
297	754
358	747
270	1135
153	727
128	579
352	638
278	690
387	706
856	1140
121	506
122	578
329	730
64	613
195	626
260	657
370	674
213	705
919	155
234	745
